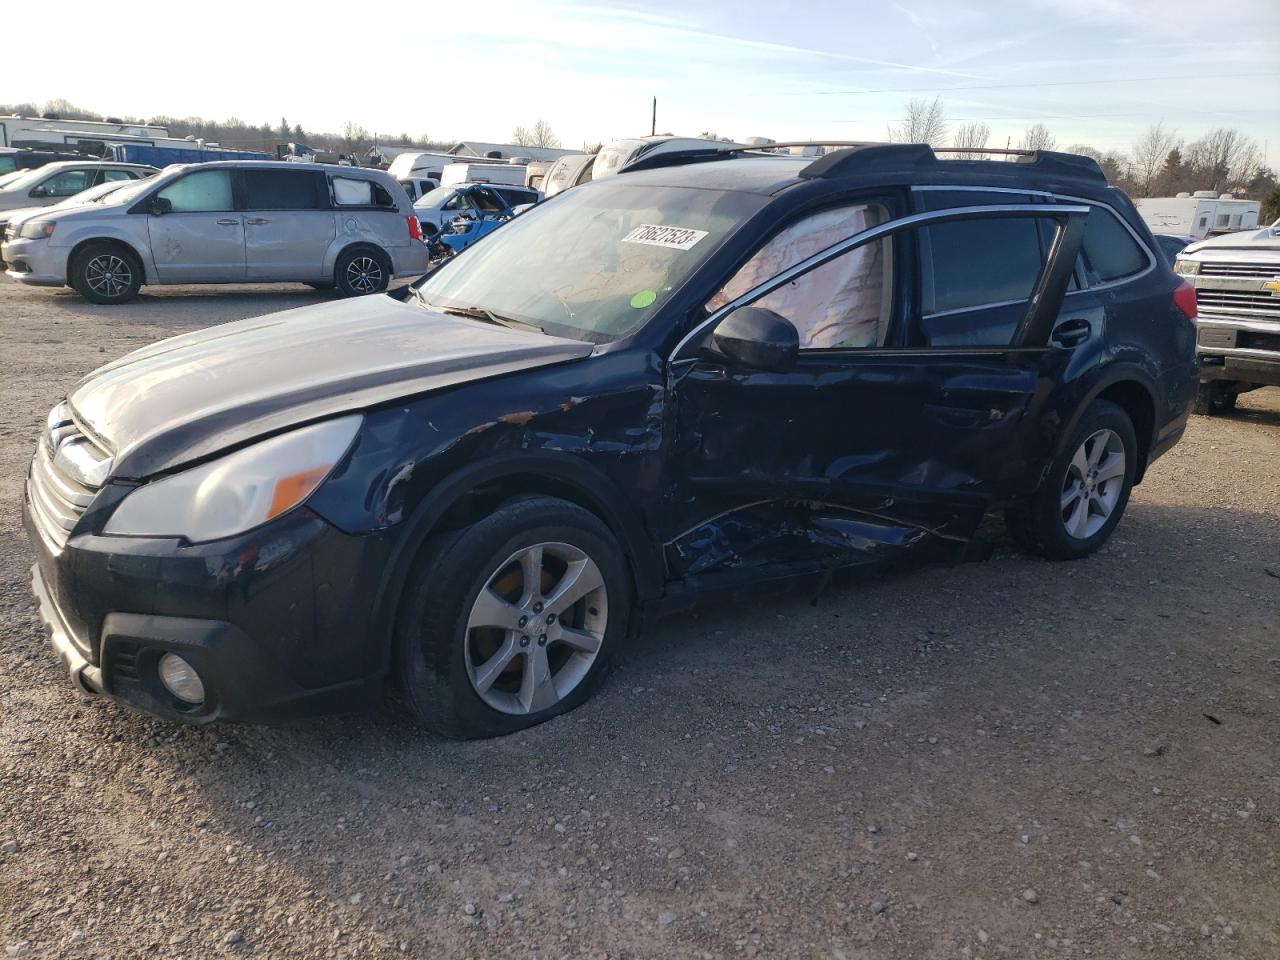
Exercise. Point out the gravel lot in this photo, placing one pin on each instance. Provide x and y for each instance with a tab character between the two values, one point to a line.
1005	759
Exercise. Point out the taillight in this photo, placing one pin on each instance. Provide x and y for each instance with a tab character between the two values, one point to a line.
1184	298
415	228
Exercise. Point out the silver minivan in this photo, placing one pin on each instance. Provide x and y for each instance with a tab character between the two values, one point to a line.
227	222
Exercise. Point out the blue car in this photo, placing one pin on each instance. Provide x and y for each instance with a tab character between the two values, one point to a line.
464	213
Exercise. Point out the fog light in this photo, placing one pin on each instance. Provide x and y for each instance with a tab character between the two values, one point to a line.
180	679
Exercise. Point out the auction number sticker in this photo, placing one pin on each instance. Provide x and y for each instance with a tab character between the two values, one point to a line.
677	238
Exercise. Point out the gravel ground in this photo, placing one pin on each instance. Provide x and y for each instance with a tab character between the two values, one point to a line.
1005	759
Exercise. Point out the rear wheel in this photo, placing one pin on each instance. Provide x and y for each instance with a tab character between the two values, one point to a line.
513	620
1087	488
104	272
361	271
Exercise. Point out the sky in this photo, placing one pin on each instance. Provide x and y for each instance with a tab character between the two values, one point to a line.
1093	71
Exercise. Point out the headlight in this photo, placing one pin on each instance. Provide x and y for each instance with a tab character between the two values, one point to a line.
239	491
36	229
1188	268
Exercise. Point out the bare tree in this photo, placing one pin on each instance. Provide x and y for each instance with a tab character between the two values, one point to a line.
354	136
1224	159
1038	137
972	136
541	135
1114	164
1149	155
925	122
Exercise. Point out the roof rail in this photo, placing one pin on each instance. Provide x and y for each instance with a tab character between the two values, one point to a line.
715	151
896	156
870	156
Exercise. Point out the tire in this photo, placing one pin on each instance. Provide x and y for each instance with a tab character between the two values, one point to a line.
360	271
106	273
1051	522
464	678
1216	398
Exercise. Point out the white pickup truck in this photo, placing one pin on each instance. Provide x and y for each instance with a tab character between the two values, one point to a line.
1237	281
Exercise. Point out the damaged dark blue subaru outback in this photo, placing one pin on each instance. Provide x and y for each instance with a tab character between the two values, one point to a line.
719	369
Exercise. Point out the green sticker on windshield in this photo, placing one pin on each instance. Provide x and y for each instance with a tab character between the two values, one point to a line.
643	299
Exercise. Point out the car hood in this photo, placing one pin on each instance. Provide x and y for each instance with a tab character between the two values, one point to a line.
192	396
1263	239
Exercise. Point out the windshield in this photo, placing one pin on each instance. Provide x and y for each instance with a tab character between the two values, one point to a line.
23	178
130	191
434	198
595	263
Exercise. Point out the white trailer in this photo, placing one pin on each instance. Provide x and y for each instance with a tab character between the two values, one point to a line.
512	174
1200	214
85	136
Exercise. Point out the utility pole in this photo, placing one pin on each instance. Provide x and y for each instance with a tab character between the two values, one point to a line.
653	124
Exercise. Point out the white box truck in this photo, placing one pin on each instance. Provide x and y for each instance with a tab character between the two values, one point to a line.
1200	214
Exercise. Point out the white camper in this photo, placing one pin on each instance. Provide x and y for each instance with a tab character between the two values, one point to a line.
1200	214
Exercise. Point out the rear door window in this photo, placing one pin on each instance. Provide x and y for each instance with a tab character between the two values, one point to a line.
1110	252
205	191
972	263
350	192
283	190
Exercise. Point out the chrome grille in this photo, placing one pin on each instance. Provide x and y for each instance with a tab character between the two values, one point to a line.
1219	268
1237	303
66	473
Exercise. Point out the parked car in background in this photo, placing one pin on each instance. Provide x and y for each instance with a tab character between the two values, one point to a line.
11	220
1171	246
707	375
568	172
475	201
615	156
47	184
227	222
1237	283
16	158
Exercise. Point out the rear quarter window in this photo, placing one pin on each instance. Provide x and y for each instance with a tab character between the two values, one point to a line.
350	192
1109	250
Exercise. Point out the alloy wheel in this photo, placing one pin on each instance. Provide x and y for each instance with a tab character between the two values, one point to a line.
108	275
1093	484
364	274
536	628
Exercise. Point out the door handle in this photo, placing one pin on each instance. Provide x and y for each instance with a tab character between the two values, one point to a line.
256	221
1071	333
225	222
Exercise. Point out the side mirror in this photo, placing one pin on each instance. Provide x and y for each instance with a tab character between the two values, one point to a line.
159	206
758	339
38	192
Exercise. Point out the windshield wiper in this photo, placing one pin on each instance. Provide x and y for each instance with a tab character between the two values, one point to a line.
487	315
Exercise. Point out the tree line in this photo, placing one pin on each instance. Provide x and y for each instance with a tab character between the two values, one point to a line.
1159	163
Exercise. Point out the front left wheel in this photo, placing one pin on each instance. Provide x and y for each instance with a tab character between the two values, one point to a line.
512	620
105	273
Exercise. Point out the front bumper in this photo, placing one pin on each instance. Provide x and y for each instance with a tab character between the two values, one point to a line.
277	622
34	262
